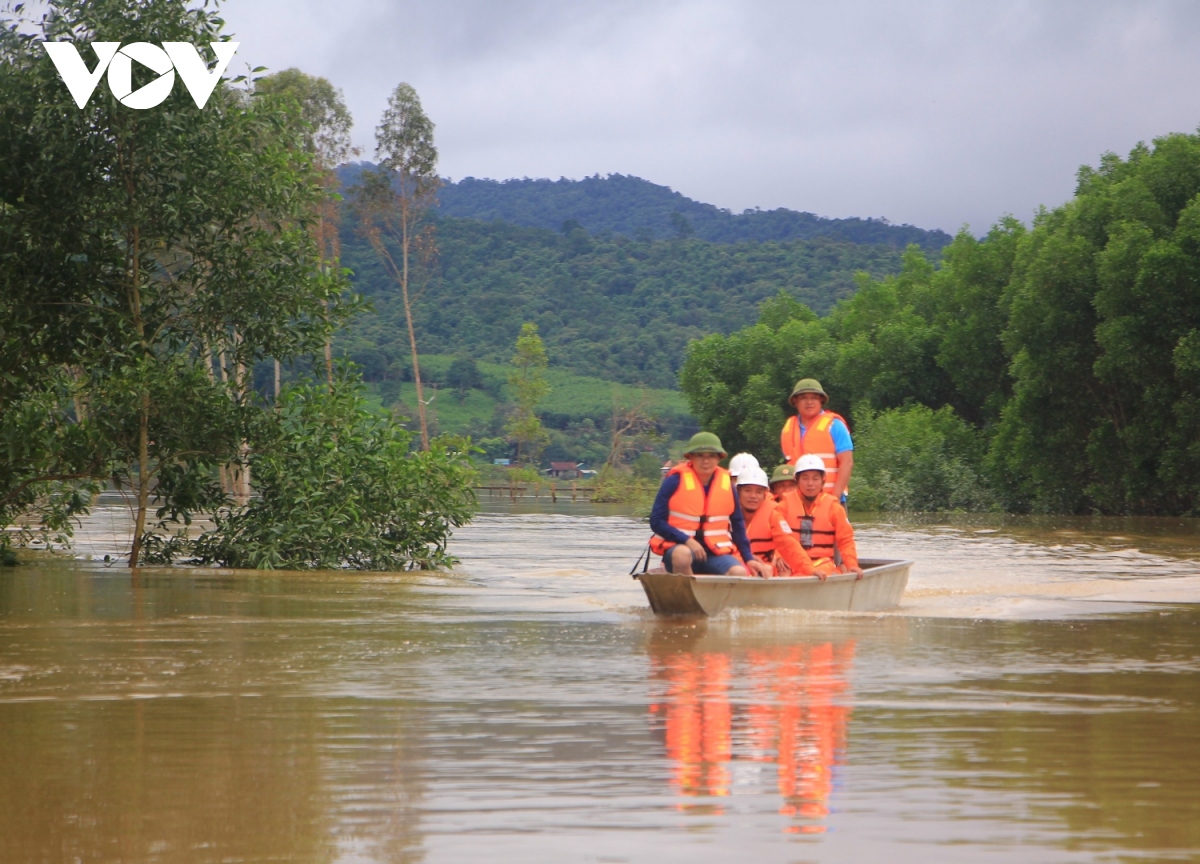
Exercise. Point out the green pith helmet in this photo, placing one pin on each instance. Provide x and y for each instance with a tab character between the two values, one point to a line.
704	442
809	385
782	473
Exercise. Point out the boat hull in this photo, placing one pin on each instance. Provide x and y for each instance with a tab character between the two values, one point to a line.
881	587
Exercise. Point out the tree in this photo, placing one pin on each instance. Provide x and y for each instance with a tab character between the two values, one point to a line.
1103	319
463	375
150	257
325	131
340	486
631	430
528	382
392	205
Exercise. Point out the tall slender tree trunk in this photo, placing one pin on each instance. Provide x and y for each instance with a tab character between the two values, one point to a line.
143	475
241	471
277	379
412	334
323	247
224	472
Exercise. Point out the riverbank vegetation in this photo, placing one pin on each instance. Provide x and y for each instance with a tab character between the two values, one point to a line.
1050	369
150	261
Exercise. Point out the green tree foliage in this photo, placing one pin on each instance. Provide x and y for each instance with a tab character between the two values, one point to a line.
141	252
322	109
1070	351
340	486
464	376
1104	319
915	458
606	306
324	127
529	387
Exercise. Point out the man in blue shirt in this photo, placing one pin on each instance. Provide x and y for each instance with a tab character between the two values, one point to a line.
813	430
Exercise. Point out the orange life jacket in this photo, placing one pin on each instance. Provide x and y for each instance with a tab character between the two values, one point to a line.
758	529
816	531
816	441
700	514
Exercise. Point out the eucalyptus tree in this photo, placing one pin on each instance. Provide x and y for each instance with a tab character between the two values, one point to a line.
393	203
325	131
154	255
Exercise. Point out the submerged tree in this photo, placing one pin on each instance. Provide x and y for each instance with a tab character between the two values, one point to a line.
528	382
153	256
392	204
340	486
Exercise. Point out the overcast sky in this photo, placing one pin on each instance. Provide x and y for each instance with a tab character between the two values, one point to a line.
931	113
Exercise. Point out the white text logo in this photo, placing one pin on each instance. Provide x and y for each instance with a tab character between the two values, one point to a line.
172	57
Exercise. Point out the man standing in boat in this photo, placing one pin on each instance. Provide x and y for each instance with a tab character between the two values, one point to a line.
697	522
813	430
820	521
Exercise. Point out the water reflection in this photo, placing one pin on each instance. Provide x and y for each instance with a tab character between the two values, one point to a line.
780	705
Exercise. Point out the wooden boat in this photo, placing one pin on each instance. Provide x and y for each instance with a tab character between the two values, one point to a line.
881	587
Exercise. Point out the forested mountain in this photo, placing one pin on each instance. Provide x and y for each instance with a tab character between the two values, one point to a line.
607	306
637	208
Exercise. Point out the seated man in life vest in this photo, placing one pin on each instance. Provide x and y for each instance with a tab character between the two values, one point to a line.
771	540
697	523
741	462
783	479
819	521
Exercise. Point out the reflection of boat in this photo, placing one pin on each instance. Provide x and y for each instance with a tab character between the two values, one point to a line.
881	587
780	705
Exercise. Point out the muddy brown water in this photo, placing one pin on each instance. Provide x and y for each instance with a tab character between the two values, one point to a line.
1035	698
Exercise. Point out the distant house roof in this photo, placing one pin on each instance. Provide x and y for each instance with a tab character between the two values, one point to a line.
564	466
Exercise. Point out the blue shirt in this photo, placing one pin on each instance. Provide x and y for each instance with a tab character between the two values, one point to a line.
662	509
838	432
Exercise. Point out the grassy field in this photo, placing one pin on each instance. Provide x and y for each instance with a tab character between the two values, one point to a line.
572	398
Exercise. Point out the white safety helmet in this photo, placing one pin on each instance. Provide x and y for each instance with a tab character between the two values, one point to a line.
754	476
810	462
741	462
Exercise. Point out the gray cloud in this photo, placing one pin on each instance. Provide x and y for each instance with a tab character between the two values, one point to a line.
933	113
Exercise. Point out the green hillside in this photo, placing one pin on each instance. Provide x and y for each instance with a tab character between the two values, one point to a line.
606	306
575	411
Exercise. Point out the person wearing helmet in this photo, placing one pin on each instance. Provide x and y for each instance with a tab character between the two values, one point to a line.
820	520
783	479
771	540
819	432
697	523
740	463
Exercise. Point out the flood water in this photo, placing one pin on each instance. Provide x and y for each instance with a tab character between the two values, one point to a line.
1035	698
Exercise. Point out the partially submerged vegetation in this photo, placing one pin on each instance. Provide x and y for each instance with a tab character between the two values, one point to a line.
338	486
1054	369
150	261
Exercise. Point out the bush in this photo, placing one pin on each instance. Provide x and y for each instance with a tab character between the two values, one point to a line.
648	466
915	458
615	486
339	486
